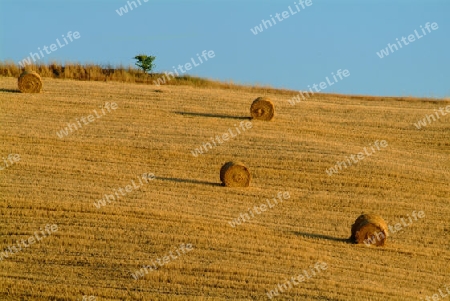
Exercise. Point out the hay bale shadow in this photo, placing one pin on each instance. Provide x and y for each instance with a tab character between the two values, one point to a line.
188	181
10	90
321	236
212	115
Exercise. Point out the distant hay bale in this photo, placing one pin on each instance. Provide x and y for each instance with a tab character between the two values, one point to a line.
369	228
235	174
262	108
30	82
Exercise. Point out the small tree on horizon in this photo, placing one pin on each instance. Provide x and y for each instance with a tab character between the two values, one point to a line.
145	62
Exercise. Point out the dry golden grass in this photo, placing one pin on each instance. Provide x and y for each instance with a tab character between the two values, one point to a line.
130	74
154	130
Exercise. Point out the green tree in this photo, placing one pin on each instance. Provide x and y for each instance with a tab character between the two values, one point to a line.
145	62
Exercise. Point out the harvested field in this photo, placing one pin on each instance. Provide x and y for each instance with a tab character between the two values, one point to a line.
95	251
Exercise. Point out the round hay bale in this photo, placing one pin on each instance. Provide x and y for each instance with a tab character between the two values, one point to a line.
262	108
369	229
30	82
235	174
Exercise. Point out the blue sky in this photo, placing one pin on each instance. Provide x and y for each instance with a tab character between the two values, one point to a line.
299	51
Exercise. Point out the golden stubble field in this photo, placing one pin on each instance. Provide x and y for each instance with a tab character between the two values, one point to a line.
153	130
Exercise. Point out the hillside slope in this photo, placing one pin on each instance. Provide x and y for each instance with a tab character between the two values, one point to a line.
95	251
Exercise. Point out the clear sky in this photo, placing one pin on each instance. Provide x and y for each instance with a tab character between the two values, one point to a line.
302	49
